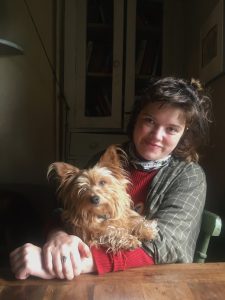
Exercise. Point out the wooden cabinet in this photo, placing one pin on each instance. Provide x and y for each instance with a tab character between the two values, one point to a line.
83	146
111	48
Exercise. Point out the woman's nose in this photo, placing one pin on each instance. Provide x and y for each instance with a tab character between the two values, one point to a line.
158	132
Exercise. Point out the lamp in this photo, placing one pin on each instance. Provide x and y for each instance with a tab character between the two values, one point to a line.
9	48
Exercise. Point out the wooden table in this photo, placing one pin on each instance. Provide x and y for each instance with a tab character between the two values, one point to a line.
175	281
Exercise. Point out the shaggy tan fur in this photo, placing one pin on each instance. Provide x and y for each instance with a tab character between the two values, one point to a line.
97	207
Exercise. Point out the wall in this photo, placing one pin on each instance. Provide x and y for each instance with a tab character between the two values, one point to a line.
182	24
213	159
215	162
27	93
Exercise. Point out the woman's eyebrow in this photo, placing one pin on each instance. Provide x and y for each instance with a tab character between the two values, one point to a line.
174	125
178	126
147	114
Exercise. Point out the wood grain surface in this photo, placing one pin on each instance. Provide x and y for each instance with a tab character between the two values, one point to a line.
159	282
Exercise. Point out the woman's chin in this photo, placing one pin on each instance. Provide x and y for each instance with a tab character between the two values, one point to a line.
148	156
147	153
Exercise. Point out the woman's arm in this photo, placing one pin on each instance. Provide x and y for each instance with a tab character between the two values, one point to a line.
178	211
108	262
81	260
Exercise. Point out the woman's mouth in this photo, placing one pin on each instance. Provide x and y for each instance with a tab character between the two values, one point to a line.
152	144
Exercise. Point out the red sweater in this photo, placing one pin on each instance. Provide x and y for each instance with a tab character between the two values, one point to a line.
108	262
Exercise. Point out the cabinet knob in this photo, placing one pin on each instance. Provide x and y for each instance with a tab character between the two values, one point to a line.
116	64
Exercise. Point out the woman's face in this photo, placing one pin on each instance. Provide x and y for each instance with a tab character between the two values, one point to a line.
158	130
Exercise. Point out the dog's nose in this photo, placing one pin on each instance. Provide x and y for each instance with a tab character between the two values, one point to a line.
95	199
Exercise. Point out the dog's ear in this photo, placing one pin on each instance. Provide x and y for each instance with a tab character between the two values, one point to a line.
110	157
115	159
59	171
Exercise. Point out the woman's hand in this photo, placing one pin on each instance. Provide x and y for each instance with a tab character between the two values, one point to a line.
66	256
26	261
63	256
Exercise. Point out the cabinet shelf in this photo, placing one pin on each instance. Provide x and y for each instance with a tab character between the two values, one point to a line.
97	26
99	75
9	48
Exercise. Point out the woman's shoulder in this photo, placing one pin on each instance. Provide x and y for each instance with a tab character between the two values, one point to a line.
176	162
186	168
179	173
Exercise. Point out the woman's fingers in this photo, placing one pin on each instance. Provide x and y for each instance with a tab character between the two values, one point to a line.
84	250
76	260
19	261
26	261
67	266
62	255
47	260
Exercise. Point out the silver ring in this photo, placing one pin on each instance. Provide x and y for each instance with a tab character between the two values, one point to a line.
64	258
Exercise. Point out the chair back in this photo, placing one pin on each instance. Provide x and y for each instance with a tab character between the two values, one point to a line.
211	226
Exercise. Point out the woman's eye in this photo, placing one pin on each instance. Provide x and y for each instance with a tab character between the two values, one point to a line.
149	120
102	182
172	130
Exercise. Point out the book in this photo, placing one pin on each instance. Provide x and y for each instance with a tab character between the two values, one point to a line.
101	58
156	62
141	47
97	57
107	101
106	11
148	59
93	15
89	52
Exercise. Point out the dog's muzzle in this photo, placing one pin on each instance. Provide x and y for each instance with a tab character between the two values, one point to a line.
95	199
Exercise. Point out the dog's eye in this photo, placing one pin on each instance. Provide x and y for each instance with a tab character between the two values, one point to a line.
102	182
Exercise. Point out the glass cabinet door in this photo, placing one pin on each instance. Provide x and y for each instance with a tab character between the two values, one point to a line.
94	63
143	46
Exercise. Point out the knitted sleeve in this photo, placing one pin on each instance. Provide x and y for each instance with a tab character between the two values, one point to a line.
177	204
109	262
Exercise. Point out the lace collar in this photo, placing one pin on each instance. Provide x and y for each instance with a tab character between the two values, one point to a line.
146	165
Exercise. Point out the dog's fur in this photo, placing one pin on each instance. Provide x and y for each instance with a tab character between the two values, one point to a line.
97	207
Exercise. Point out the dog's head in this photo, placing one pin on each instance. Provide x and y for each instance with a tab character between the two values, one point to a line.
98	191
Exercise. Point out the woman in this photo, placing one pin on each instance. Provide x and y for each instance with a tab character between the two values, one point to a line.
168	123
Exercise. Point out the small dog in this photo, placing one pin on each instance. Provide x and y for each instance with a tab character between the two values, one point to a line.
97	207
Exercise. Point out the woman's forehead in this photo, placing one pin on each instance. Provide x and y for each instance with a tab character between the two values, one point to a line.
165	111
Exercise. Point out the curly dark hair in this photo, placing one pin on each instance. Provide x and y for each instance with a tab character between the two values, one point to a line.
188	95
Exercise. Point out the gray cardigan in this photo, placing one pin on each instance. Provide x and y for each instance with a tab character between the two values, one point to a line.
176	198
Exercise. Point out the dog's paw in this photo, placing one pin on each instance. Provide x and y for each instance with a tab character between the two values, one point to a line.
116	239
146	230
152	226
135	243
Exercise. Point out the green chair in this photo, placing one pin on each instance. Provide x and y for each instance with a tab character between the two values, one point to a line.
211	226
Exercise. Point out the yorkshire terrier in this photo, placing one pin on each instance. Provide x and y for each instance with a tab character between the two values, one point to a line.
97	207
